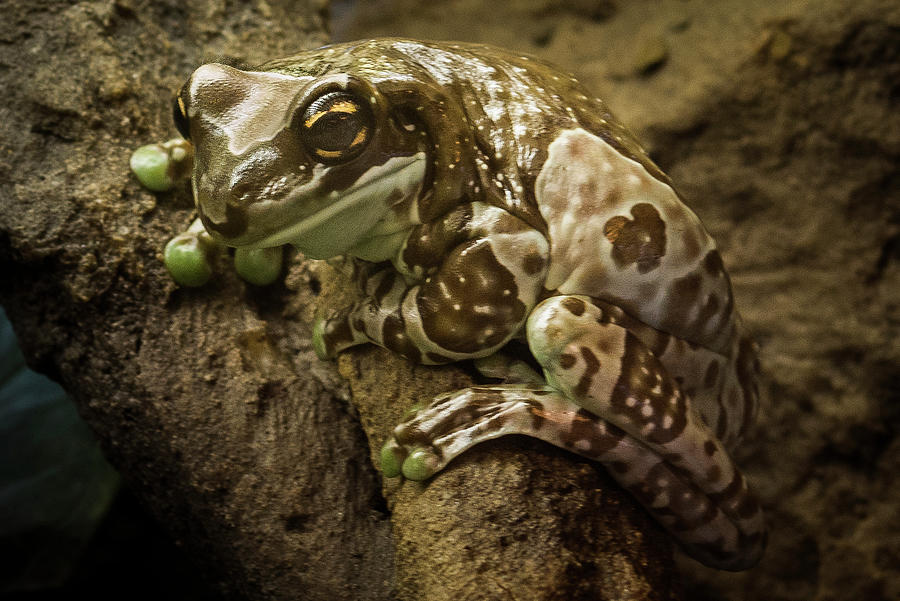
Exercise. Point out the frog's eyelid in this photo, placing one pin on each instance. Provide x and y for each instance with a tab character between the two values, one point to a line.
343	106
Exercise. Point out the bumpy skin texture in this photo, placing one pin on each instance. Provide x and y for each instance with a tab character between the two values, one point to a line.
499	201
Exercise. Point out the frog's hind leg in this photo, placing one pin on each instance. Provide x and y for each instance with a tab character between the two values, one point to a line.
607	370
456	421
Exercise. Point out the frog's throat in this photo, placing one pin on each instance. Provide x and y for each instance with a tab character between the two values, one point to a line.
350	216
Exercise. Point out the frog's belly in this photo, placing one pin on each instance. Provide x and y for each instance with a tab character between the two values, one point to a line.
619	234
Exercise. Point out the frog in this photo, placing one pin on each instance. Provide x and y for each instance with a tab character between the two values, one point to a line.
503	216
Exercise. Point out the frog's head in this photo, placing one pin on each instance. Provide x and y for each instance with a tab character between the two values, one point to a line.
318	162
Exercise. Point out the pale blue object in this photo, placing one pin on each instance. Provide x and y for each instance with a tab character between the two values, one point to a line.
55	485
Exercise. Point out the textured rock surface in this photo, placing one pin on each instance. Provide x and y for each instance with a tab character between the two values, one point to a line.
193	393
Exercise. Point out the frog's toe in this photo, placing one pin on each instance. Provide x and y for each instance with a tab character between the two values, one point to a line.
318	339
421	464
392	458
160	166
259	266
187	258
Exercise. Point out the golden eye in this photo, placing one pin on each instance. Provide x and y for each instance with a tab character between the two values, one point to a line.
180	116
336	127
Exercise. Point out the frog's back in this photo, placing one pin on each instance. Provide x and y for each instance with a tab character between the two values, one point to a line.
552	154
617	228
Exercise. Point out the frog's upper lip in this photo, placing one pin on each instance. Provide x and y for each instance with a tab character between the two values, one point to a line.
398	173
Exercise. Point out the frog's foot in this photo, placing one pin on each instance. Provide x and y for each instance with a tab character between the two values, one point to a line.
188	256
336	333
160	166
603	367
373	319
432	437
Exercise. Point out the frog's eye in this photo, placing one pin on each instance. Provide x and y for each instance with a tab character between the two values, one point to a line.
336	127
179	115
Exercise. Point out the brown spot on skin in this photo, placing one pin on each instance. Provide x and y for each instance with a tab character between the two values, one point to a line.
710	447
538	418
713	264
634	383
747	367
684	296
591	367
575	306
506	223
585	426
395	339
452	310
748	506
708	311
640	241
722	425
359	325
714	473
566	361
385	286
429	243
533	264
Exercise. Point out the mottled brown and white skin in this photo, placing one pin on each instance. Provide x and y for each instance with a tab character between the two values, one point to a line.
498	200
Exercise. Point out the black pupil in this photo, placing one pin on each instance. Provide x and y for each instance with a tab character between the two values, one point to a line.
334	123
335	131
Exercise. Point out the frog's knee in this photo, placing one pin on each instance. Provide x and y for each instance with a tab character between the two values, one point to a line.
556	322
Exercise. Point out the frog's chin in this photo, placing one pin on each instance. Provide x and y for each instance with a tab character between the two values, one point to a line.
351	217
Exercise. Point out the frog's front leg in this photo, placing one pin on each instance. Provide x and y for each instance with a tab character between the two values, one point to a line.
462	287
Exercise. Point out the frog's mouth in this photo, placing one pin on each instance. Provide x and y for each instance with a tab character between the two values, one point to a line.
326	224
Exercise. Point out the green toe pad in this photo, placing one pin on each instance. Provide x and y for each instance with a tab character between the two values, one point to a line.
417	465
391	459
187	260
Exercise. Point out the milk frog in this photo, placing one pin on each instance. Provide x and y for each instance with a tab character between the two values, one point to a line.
497	202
